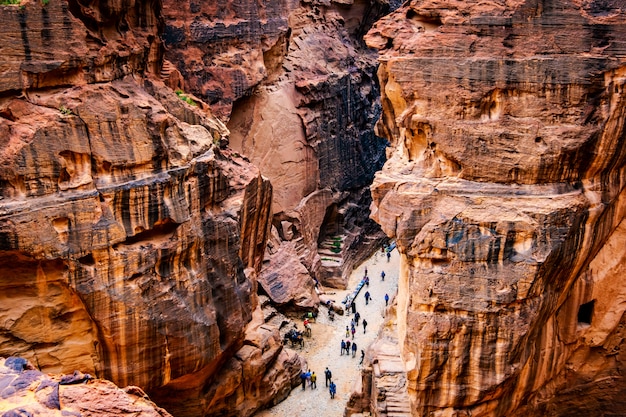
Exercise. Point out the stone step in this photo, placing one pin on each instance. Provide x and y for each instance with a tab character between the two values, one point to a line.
167	69
399	408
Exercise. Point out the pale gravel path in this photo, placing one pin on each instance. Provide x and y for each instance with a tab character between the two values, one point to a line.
324	348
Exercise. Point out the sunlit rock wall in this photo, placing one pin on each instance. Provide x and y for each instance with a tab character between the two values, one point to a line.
504	190
130	240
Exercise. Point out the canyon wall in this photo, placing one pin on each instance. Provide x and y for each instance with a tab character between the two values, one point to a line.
298	89
504	190
130	240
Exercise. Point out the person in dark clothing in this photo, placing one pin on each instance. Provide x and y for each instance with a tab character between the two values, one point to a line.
388	256
364	325
303	380
386	299
329	375
367	297
348	347
362	357
332	389
382	275
354	349
343	346
357	317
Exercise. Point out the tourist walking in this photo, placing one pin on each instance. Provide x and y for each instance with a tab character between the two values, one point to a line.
313	380
332	389
357	317
354	349
386	299
328	374
348	347
343	346
362	357
388	256
353	331
382	276
303	380
367	297
364	325
347	331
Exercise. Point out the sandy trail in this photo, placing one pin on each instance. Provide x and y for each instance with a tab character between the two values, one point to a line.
323	348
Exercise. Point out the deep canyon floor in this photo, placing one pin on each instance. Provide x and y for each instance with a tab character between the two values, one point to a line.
323	348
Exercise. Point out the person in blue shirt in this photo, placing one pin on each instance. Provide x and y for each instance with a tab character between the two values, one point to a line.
332	389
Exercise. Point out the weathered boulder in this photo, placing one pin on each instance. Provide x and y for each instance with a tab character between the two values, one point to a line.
25	391
504	190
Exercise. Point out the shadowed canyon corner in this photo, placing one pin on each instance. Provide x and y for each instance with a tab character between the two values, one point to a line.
181	182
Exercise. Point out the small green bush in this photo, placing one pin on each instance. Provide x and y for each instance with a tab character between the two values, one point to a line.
184	97
8	2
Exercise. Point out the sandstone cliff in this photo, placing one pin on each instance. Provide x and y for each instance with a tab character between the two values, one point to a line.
504	190
129	241
299	91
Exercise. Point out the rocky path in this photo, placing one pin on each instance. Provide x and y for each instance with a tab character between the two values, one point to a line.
323	349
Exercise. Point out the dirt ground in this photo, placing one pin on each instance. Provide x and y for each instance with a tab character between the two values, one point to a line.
323	348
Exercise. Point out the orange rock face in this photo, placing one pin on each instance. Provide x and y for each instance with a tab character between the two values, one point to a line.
129	240
504	190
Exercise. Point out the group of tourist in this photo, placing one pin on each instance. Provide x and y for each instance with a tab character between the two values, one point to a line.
309	378
348	345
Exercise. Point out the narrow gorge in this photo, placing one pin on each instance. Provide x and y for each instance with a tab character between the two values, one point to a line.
180	180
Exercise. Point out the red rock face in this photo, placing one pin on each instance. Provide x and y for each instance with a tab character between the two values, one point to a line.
505	192
221	48
129	241
299	92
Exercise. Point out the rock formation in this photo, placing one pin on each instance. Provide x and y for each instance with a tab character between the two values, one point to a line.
504	190
299	92
25	391
130	241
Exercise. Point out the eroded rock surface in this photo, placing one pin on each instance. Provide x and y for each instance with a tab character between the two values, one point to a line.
25	391
130	241
298	89
504	190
